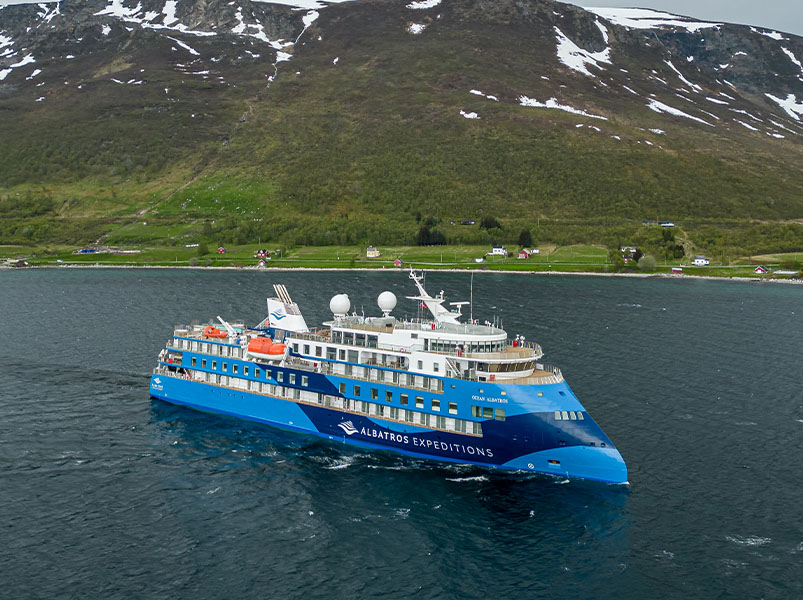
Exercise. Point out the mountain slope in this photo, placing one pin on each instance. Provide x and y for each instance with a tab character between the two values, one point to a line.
349	121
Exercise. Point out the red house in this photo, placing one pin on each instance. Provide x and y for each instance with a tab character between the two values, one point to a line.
221	250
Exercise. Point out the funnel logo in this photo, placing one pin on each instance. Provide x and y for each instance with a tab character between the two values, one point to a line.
278	314
348	427
157	381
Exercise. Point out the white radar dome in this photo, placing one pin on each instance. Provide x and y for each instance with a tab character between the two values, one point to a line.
340	304
386	302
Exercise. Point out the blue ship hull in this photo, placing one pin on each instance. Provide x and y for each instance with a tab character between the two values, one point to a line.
529	439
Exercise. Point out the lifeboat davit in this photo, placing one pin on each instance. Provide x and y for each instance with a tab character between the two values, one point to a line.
263	347
213	332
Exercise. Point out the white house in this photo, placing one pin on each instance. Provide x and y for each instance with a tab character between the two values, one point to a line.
498	251
700	261
372	252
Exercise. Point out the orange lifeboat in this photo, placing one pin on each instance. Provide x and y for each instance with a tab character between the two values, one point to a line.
260	345
264	347
214	332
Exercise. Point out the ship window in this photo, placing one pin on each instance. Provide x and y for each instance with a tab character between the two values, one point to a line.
388	396
234	368
356	390
318	351
476	411
476	428
440	422
419	402
408	416
420	364
380	410
193	361
279	376
580	416
292	378
203	363
225	366
374	394
359	339
341	388
364	406
540	394
403	399
436	404
482	391
296	394
304	380
245	370
557	415
214	365
256	371
342	354
487	413
572	415
331	353
394	413
423	418
499	414
564	414
503	393
267	373
295	348
306	348
435	367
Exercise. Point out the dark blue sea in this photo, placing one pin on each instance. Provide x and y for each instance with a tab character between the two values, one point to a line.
105	493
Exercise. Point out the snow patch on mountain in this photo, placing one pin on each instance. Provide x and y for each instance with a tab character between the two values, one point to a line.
576	58
660	107
416	28
484	95
553	103
469	115
770	34
792	57
189	49
423	4
47	15
641	18
25	61
790	104
693	86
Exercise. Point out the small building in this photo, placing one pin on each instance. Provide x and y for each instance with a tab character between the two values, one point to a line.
700	261
498	251
761	270
262	253
667	224
677	270
625	249
479	260
524	253
398	263
468	222
261	263
221	250
372	252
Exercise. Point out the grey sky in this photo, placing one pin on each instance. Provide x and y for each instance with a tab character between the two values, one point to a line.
783	15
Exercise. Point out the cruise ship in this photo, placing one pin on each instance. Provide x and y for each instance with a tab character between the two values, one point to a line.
443	388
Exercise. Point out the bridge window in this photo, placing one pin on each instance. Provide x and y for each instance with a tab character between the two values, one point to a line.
203	363
374	393
279	376
318	351
403	399
436	404
357	390
419	402
256	371
245	370
306	348
292	378
499	414
452	408
388	396
214	365
193	361
305	380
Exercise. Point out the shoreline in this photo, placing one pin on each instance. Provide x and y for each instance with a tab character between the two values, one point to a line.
675	276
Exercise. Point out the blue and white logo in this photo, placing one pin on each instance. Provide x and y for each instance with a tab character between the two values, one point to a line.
278	314
348	427
157	381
